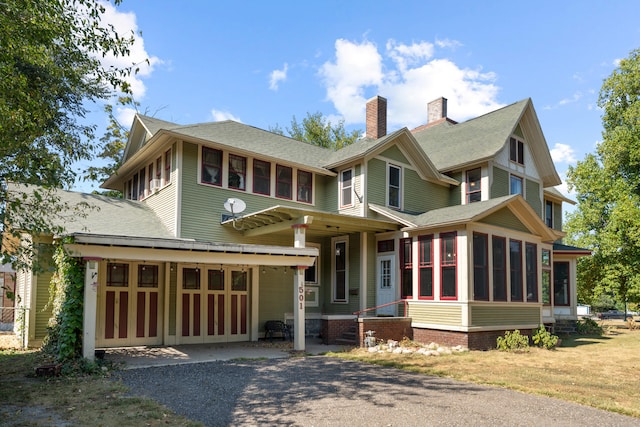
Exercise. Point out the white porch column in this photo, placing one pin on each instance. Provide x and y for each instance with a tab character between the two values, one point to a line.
90	308
299	241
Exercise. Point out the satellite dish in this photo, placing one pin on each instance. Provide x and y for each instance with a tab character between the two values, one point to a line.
234	206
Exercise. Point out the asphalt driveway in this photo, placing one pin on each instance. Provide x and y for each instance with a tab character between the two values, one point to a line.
326	391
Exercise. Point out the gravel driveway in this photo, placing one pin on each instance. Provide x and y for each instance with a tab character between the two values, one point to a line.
326	391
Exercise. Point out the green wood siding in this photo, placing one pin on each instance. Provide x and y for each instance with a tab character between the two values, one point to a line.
435	313
377	182
455	190
557	216
326	193
394	153
421	196
500	185
506	219
42	316
276	295
202	207
486	315
533	196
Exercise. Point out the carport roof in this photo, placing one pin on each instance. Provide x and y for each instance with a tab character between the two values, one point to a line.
318	223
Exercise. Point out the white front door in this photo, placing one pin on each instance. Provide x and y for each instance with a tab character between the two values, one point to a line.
386	285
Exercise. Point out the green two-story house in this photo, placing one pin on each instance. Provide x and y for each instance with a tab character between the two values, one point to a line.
447	233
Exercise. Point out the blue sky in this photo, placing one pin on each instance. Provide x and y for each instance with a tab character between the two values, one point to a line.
262	62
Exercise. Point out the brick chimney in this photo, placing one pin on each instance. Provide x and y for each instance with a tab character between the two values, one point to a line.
376	117
436	110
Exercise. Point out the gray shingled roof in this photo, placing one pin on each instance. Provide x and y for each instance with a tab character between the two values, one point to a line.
449	145
254	140
447	215
153	125
105	215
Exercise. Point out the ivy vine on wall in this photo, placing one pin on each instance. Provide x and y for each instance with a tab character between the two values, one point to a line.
66	298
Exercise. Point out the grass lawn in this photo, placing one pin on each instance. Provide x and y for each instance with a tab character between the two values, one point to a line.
599	371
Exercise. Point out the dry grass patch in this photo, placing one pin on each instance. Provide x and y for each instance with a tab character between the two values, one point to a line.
28	400
601	372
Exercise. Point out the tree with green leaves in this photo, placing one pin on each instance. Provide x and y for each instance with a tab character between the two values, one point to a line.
316	129
607	183
50	71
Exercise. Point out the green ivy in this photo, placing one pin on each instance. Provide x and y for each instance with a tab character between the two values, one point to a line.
66	299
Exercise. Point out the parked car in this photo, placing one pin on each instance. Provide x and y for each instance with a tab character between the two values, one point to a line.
611	314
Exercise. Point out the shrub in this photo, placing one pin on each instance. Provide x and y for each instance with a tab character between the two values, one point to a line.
513	341
588	326
543	338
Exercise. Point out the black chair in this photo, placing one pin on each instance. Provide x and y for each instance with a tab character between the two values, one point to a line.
272	327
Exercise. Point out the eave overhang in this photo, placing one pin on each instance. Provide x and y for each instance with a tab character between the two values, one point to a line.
187	251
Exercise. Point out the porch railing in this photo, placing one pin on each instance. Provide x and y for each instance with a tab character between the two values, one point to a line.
400	301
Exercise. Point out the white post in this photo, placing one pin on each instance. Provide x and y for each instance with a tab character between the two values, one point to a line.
90	308
299	240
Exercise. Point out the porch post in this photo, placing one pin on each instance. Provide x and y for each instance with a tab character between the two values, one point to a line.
90	308
299	238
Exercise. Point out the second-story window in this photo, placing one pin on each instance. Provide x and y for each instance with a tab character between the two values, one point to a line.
395	190
141	182
211	166
515	185
474	187
237	172
304	186
548	213
283	182
346	187
516	151
167	167
261	177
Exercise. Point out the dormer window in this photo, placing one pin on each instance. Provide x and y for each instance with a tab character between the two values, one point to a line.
516	151
474	187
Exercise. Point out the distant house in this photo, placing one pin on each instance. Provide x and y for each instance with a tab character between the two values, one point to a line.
449	233
7	292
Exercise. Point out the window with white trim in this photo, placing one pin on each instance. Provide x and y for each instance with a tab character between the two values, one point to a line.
346	188
515	185
516	151
474	185
340	268
394	181
448	266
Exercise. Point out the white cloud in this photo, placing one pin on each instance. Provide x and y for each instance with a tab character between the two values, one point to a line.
125	116
219	116
278	76
356	67
409	76
562	153
125	24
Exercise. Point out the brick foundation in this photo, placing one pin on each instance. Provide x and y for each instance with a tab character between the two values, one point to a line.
386	328
332	330
484	340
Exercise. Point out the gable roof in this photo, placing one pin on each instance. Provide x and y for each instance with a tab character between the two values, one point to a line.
454	146
461	214
367	147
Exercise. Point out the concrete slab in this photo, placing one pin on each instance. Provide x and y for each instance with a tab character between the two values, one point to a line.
147	356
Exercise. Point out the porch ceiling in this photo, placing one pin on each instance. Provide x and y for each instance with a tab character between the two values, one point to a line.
280	219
